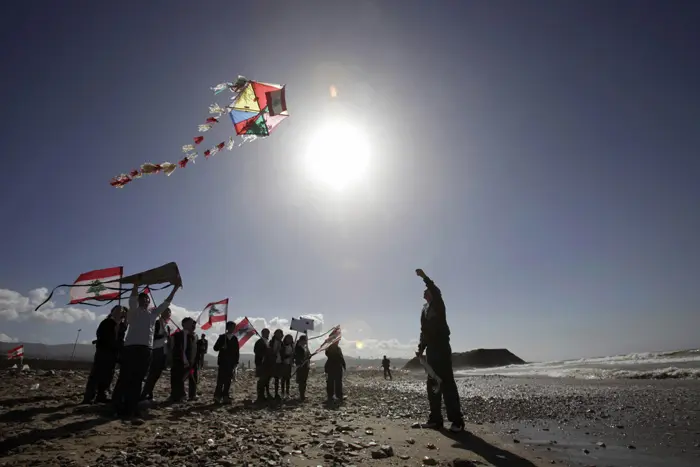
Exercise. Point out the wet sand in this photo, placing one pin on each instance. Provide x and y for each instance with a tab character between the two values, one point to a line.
514	422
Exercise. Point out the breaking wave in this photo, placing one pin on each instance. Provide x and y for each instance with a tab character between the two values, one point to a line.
682	364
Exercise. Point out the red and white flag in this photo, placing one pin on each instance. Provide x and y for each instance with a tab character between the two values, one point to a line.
174	328
244	331
94	285
17	352
213	313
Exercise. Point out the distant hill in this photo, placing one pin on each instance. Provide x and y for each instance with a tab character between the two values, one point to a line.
479	358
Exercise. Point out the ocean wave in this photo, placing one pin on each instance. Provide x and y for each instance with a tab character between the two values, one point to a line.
587	372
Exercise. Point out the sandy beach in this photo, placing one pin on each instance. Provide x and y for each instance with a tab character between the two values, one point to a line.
513	422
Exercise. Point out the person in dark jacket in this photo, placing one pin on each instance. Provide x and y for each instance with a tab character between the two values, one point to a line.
287	356
435	341
184	355
260	350
301	360
386	364
335	365
273	360
202	348
229	355
118	391
106	353
160	354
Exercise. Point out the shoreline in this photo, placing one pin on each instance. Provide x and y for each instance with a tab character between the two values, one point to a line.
514	422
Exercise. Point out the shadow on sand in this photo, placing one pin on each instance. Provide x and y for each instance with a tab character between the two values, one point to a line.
495	456
63	431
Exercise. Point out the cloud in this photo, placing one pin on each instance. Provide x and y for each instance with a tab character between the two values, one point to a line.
6	338
16	307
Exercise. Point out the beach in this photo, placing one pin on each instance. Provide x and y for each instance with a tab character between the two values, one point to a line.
514	421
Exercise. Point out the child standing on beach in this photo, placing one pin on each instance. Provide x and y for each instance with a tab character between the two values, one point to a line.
287	355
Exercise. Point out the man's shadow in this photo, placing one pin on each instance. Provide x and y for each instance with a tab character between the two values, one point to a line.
495	456
36	435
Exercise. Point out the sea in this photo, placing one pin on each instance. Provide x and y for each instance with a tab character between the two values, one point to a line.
680	364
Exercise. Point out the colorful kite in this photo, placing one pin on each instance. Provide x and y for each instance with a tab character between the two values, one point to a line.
255	111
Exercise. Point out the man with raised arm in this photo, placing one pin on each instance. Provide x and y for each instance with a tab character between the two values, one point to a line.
435	341
138	345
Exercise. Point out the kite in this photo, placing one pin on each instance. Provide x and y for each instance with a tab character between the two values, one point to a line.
103	286
256	109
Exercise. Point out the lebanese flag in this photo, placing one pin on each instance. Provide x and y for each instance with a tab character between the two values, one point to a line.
213	313
173	329
17	352
276	102
244	331
94	285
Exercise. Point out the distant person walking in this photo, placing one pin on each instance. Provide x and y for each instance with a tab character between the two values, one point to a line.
138	346
435	341
106	353
229	355
386	364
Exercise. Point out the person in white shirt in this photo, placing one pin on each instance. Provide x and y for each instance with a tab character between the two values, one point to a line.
160	353
138	346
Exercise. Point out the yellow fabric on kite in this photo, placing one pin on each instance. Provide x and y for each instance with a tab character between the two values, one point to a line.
247	101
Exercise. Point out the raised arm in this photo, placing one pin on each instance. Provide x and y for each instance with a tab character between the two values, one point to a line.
134	297
166	304
434	290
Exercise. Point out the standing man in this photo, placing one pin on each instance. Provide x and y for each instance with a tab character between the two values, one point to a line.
159	357
138	346
106	352
229	354
386	364
261	350
184	361
202	348
435	341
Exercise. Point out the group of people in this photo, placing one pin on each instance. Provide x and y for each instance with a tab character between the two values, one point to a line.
139	338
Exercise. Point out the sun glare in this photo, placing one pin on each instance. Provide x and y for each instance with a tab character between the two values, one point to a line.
359	345
338	156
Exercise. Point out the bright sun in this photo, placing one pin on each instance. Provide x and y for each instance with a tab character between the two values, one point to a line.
338	156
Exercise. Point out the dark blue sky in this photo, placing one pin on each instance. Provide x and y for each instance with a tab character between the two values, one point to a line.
538	159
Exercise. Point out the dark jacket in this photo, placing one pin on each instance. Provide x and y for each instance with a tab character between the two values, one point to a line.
386	363
178	346
229	354
273	350
301	355
107	336
202	347
260	351
335	362
434	330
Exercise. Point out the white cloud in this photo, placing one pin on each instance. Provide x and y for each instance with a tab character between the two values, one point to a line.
16	307
6	338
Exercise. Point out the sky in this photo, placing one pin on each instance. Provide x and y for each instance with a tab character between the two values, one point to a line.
537	159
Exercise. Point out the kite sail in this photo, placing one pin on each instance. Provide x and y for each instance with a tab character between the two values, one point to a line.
256	109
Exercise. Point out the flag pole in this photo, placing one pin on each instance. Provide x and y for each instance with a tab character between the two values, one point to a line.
74	344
